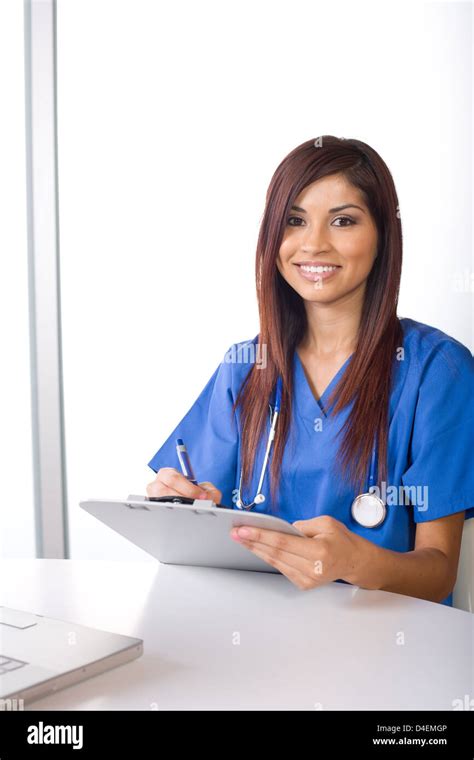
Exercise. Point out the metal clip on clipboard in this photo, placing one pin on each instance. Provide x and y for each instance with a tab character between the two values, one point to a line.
199	503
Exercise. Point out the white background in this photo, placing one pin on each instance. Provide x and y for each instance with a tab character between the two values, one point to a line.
17	529
172	120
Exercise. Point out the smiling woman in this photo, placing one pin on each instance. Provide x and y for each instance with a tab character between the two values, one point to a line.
340	251
352	309
360	247
361	402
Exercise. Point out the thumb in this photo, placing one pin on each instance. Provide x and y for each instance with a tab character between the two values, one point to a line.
211	491
309	527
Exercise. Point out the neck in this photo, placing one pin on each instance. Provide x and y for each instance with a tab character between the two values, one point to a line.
333	328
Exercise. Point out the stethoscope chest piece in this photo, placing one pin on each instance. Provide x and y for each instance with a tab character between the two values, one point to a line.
368	510
259	499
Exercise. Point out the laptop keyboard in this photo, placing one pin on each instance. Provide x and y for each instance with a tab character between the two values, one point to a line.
7	664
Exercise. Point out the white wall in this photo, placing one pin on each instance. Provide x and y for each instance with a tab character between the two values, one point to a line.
17	531
172	119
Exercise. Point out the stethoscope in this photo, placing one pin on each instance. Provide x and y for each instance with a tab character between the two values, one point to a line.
367	508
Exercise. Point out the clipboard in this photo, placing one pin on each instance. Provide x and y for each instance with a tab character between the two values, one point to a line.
181	531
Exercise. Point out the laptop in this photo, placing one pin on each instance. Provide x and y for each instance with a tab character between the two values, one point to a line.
40	655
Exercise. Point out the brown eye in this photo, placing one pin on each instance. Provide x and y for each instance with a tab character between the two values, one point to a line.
298	218
344	219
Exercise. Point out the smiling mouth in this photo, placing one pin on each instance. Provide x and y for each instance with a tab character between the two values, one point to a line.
319	268
315	272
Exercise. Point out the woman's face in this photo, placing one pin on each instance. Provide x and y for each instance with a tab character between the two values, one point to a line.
327	252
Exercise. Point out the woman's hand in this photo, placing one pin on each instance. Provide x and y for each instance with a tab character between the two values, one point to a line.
170	482
330	552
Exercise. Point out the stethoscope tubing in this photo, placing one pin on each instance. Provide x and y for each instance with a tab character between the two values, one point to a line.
375	507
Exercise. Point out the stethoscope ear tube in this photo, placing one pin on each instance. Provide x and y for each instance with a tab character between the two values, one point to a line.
259	498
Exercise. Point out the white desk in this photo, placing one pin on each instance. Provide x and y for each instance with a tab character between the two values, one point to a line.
332	648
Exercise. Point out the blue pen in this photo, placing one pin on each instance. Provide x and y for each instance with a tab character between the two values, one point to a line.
184	461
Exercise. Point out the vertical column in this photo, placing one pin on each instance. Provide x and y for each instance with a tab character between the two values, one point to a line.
44	279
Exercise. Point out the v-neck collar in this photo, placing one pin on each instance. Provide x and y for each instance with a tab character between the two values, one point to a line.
308	403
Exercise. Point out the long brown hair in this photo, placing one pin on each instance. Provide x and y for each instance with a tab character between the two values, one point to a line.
283	323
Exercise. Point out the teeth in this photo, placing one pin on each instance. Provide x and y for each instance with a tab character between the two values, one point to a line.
317	269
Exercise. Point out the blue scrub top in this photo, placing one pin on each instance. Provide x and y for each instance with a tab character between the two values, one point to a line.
430	446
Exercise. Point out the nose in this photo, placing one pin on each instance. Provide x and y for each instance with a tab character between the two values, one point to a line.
314	238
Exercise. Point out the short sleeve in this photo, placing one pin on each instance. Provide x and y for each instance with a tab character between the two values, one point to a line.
209	431
441	456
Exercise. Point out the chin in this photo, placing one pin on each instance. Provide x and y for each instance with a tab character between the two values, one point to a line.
310	293
319	296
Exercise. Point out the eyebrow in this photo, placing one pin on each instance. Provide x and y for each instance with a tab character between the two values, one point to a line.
331	210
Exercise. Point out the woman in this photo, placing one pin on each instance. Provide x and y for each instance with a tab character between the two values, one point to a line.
363	393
